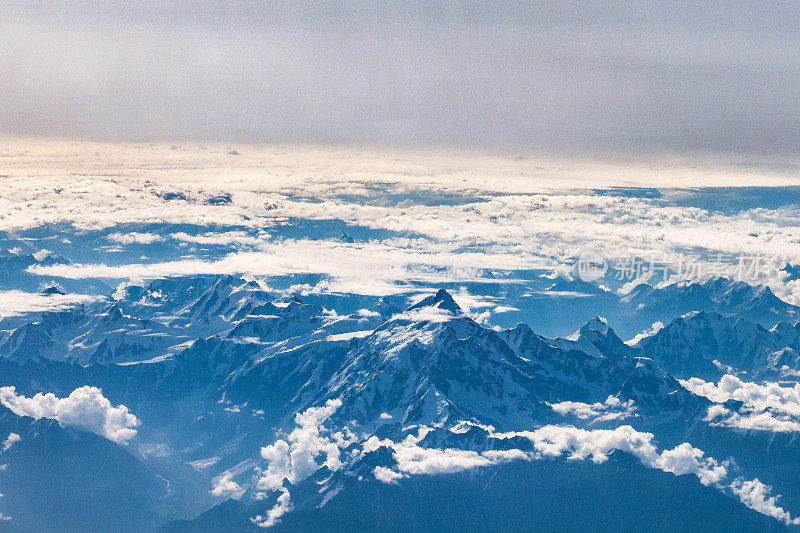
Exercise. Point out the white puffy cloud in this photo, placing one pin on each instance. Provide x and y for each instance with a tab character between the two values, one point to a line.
84	408
278	465
611	409
413	459
12	439
754	494
311	445
135	238
387	475
41	254
223	486
282	506
579	444
766	406
304	451
716	411
596	444
550	441
575	444
686	459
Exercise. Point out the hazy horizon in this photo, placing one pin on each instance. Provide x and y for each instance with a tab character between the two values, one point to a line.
593	77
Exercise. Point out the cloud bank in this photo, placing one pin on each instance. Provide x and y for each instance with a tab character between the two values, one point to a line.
431	217
765	406
611	409
311	445
85	408
16	303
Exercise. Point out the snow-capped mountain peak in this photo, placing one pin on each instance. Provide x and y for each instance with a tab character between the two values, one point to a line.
598	324
441	300
595	338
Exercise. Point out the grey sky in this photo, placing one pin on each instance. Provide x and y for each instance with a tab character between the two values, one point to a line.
538	75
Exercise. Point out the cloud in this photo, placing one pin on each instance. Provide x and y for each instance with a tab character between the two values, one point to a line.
655	328
413	459
311	445
225	487
279	465
222	238
363	268
766	406
756	496
425	314
135	238
511	222
581	444
387	475
596	444
306	449
686	459
531	214
84	408
202	464
550	442
12	439
282	506
16	303
41	254
612	409
575	444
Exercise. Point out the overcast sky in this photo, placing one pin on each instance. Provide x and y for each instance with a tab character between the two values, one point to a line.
528	75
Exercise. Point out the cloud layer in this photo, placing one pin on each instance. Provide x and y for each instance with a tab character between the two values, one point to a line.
15	303
431	217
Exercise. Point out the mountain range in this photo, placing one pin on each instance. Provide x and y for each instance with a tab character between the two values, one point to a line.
215	403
